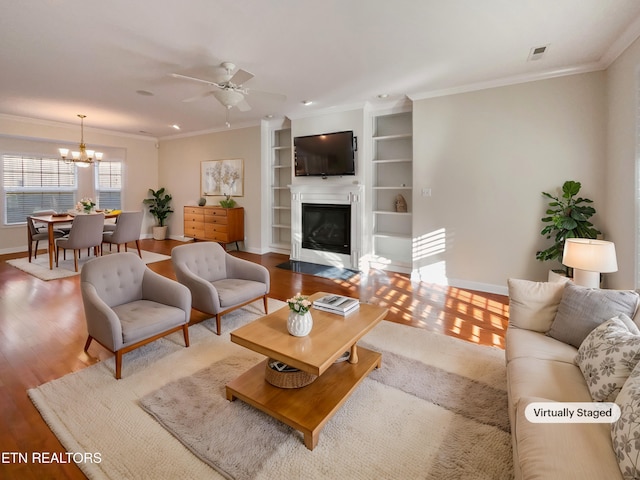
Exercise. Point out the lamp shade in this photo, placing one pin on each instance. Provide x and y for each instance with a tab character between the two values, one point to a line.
590	255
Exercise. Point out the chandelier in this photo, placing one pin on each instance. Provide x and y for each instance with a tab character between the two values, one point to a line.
84	157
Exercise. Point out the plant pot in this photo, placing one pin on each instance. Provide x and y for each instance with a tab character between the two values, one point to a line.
299	325
160	233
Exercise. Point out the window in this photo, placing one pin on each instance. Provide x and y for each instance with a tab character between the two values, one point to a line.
33	183
109	184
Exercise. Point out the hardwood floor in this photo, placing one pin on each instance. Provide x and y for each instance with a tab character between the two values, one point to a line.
42	334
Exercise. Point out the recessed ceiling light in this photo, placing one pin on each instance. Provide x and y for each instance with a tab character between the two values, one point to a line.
383	95
306	103
177	127
268	116
144	93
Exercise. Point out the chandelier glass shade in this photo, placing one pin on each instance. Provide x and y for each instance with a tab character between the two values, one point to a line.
82	157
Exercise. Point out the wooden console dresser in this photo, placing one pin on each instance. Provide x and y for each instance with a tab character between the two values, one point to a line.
217	224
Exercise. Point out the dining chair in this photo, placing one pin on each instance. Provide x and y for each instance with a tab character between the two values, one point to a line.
127	229
35	235
86	232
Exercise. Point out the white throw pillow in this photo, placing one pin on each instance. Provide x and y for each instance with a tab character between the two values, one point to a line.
608	356
533	305
626	431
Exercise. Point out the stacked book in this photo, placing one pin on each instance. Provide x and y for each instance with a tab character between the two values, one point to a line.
337	304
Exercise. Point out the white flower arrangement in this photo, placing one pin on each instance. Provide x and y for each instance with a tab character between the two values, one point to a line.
85	204
299	304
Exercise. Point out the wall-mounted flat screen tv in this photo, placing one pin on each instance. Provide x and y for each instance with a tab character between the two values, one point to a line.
329	154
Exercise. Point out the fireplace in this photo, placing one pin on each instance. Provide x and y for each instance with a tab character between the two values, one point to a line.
326	227
324	242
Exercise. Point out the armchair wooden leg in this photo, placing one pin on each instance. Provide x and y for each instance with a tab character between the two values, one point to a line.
89	340
75	258
265	304
218	324
118	365
185	331
138	247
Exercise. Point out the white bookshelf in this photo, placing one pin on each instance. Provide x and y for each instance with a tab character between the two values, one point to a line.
392	175
281	161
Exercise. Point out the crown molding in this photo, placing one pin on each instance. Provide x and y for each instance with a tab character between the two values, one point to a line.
624	41
235	126
506	81
52	123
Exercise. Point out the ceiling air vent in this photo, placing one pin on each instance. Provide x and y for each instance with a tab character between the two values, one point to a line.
537	52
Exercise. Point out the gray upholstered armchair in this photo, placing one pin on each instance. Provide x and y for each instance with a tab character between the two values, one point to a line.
219	282
128	305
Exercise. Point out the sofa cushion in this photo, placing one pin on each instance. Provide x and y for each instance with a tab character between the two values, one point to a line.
557	381
608	355
625	433
552	451
533	305
525	343
583	309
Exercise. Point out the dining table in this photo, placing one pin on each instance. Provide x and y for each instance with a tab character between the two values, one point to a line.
56	219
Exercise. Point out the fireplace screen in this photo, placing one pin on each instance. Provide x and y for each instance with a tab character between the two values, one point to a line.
326	227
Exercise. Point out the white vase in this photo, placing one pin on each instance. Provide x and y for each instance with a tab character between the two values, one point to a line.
299	325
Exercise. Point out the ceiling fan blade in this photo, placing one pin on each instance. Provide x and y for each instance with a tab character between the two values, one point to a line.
198	97
240	77
243	106
201	80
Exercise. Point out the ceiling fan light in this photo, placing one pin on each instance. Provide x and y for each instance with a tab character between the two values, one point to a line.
229	98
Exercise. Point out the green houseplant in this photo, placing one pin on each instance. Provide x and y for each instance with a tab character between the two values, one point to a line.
568	217
160	207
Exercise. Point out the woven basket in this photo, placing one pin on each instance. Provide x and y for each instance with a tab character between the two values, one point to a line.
295	379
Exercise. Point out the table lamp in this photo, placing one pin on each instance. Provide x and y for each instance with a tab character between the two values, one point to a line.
589	258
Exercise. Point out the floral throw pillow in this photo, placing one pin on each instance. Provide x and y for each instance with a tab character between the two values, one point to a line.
608	356
625	433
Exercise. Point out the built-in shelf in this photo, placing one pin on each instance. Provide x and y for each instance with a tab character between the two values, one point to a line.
281	161
392	175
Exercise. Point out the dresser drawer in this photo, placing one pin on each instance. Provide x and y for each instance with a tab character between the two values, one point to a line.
219	237
193	218
194	231
219	220
215	212
213	228
192	210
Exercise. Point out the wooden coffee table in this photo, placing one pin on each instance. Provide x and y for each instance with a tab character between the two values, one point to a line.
307	409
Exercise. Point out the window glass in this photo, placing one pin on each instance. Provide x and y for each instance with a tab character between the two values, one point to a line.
33	183
109	185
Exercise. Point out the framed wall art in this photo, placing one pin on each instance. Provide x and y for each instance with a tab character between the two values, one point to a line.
222	177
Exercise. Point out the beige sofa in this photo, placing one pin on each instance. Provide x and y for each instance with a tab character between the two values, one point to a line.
541	369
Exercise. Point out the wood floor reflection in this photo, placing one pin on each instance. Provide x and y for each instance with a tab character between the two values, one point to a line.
42	334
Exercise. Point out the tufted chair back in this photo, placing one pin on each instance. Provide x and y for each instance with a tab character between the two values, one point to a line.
206	260
119	283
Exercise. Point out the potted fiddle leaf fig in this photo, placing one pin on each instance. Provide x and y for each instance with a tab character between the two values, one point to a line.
160	208
567	217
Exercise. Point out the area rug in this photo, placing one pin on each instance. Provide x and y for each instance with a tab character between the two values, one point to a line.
413	418
39	267
324	271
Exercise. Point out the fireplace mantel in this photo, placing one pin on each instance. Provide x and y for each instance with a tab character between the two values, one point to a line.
328	194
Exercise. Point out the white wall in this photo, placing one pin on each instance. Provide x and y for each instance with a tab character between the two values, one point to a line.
179	172
29	135
621	178
487	156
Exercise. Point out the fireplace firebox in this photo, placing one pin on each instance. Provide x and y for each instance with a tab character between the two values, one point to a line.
326	227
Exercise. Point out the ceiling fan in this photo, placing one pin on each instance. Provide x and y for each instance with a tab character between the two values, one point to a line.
230	90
